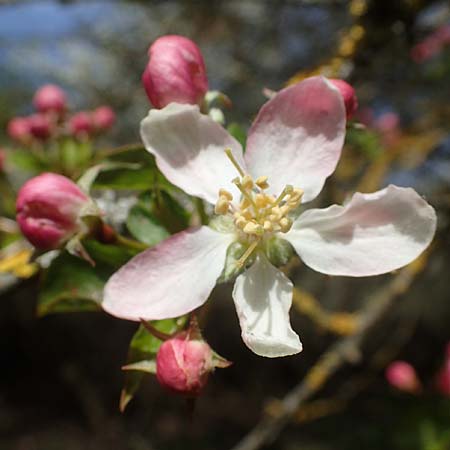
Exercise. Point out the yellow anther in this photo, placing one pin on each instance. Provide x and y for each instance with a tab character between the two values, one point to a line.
241	222
247	182
297	194
245	203
285	209
247	214
253	228
225	193
268	226
276	213
261	200
261	182
285	224
222	205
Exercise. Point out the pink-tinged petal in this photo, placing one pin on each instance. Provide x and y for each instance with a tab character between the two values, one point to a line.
168	280
190	150
297	137
372	234
263	297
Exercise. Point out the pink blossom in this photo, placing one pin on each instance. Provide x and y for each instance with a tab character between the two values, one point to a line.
349	96
103	118
175	72
292	147
402	376
183	365
48	210
19	129
50	98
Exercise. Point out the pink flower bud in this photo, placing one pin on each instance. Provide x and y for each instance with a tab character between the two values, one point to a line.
348	94
175	72
183	365
19	129
48	210
2	159
50	98
81	124
402	376
41	126
103	118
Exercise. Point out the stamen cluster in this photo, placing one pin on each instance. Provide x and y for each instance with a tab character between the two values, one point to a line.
258	211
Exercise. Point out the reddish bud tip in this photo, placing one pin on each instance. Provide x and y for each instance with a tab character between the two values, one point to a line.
48	210
175	72
183	365
2	159
50	98
402	376
19	129
349	96
41	126
103	118
81	124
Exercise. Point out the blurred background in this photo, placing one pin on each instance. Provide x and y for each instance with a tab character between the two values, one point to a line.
60	377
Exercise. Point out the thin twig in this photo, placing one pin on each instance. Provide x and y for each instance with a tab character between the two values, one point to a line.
345	349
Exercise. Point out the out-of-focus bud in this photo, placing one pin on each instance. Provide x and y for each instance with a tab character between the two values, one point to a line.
41	126
348	94
443	375
103	118
175	72
184	364
19	129
403	376
81	124
49	207
2	159
50	98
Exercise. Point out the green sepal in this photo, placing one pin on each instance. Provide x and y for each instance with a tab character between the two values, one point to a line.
278	251
231	269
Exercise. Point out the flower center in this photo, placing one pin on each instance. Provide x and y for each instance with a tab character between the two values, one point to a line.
258	213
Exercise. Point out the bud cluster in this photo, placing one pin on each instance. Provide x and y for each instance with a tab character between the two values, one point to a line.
52	120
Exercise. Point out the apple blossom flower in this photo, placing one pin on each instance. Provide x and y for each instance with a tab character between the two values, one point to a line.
175	72
348	94
49	208
50	98
403	376
103	118
293	145
19	129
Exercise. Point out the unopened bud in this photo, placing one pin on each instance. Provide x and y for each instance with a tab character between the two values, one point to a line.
48	210
348	95
19	129
175	72
103	118
183	365
402	376
41	126
50	98
81	124
2	159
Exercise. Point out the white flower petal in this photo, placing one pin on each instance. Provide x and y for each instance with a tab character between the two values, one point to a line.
372	234
297	137
189	148
263	297
168	280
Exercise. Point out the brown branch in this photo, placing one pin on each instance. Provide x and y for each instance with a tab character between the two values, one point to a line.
344	350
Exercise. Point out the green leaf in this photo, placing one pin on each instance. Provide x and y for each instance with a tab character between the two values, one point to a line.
87	179
113	255
134	179
142	352
238	133
71	285
145	227
27	160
